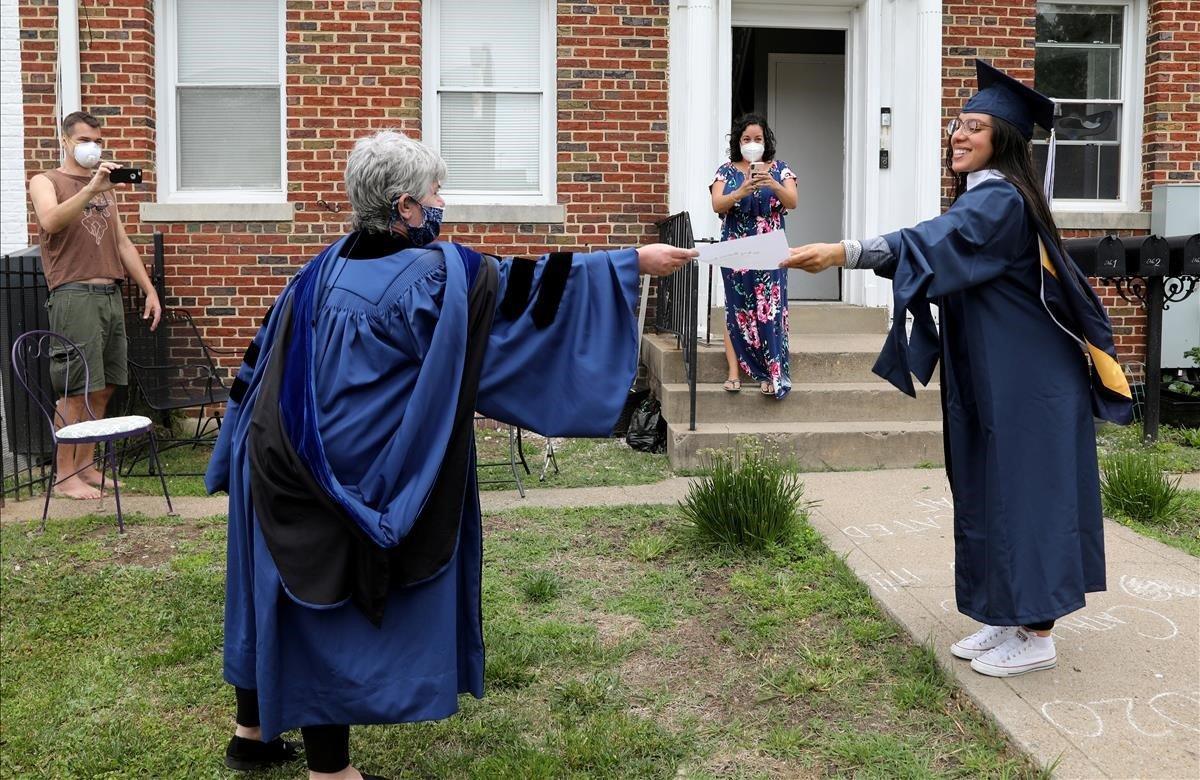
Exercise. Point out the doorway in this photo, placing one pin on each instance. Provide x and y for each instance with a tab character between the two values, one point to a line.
797	78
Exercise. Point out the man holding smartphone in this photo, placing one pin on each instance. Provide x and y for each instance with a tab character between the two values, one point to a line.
86	256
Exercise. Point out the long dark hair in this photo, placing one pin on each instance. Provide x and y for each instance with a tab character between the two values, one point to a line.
735	137
1012	156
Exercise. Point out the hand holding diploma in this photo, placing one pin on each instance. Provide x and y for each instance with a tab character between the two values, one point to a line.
815	258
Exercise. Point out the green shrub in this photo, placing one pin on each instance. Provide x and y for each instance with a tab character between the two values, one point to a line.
1133	485
747	500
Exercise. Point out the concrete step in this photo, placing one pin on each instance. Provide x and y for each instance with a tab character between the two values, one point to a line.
816	446
814	357
807	403
820	317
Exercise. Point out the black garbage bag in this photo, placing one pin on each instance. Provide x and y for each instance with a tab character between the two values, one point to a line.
632	402
647	428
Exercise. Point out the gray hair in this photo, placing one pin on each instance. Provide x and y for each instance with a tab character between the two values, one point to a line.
380	169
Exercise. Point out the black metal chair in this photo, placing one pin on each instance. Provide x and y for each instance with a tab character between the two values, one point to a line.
172	368
39	355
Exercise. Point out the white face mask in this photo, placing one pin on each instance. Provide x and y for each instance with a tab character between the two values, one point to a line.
87	154
752	152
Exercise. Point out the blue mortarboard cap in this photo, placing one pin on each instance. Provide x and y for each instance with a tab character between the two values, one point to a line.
1000	95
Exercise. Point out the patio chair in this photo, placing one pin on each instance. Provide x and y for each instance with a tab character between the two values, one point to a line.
38	354
172	368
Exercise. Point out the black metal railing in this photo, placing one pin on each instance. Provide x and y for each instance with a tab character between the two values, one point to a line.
25	443
675	311
1150	271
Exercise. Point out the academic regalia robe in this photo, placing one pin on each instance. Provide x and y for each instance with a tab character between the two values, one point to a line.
385	364
1017	401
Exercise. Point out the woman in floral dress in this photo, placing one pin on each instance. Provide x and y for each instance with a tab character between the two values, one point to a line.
751	193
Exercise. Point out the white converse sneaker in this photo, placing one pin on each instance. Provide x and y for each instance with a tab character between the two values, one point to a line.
1024	652
981	641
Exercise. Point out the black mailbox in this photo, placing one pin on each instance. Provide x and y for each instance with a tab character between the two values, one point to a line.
1153	257
1103	256
1185	255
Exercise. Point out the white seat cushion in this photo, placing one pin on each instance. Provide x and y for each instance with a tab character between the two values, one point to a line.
110	426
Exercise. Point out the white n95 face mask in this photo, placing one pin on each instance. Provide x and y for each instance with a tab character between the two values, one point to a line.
87	154
752	152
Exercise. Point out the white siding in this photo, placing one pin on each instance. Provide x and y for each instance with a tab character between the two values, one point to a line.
12	133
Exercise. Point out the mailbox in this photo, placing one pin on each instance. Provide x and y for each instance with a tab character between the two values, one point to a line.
1185	255
1153	257
1103	256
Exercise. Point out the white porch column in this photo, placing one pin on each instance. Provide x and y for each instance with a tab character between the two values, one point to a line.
927	196
69	96
698	45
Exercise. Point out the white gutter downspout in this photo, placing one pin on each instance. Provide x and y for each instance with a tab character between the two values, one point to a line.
69	97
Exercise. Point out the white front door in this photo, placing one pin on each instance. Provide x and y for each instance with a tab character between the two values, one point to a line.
806	100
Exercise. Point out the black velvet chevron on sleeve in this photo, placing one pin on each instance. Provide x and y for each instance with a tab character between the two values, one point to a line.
251	357
554	282
238	391
516	291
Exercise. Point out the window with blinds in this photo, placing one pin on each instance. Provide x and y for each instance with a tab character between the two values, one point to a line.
491	68
225	89
1084	62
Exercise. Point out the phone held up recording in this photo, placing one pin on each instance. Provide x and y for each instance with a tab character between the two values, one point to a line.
125	176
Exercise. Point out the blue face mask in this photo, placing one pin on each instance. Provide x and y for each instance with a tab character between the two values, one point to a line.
427	232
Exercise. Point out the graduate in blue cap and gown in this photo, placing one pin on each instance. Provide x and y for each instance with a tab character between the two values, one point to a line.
354	551
1027	359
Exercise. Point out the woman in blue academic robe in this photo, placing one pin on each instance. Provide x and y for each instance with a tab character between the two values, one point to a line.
1027	359
354	552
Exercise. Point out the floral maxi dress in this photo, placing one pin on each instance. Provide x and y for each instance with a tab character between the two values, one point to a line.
756	311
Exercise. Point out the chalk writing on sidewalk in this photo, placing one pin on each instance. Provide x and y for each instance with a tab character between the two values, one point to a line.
1148	623
1158	590
892	580
892	528
1165	714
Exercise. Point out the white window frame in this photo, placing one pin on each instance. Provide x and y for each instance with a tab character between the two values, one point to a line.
548	140
1133	99
166	75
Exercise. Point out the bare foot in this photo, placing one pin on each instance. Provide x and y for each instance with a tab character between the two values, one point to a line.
76	488
93	477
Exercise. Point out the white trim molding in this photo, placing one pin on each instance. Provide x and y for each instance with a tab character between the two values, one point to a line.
217	212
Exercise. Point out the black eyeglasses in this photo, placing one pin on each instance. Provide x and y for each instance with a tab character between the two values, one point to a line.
972	126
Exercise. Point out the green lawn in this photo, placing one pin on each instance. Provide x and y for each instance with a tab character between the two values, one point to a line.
615	649
1178	455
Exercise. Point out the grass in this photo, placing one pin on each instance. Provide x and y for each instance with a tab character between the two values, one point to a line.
1174	452
615	649
1176	455
581	462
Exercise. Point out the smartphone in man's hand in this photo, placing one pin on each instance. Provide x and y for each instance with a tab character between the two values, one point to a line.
125	175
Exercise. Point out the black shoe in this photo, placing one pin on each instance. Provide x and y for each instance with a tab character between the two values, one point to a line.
245	755
372	777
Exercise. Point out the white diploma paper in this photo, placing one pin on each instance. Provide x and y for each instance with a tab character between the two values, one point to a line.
763	252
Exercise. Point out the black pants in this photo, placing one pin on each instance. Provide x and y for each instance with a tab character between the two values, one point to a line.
326	748
1045	625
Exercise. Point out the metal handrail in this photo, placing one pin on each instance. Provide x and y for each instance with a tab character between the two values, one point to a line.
675	310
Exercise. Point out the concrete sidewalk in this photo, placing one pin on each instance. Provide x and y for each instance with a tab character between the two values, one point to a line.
1124	700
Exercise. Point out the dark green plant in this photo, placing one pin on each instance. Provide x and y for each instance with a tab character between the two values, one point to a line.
749	499
1133	485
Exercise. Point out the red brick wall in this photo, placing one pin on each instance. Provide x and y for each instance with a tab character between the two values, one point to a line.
354	67
1172	141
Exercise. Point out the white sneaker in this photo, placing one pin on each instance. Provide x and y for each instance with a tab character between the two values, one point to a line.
1024	652
981	641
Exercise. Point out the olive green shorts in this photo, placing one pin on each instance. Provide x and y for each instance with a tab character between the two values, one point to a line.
92	316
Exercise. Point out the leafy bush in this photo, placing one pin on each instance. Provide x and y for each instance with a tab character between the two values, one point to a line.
1133	485
747	500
